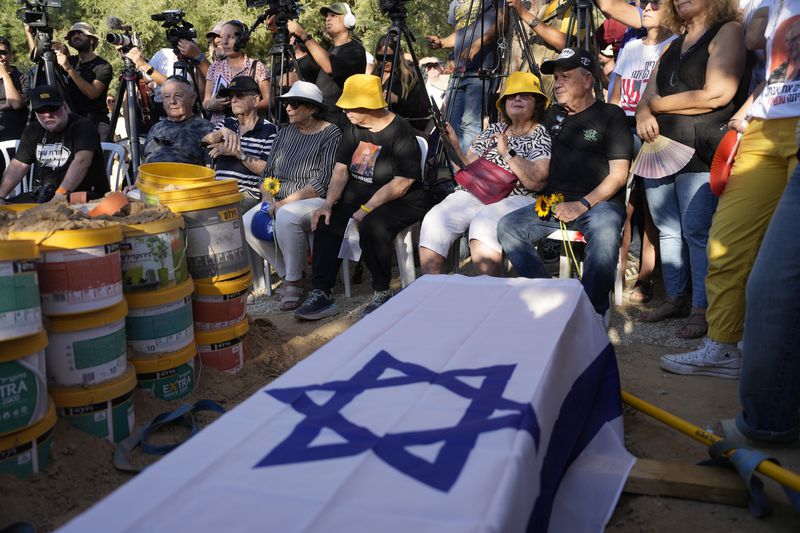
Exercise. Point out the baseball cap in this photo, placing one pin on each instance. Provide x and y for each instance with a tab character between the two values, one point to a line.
45	96
239	85
428	60
339	8
83	27
570	58
216	30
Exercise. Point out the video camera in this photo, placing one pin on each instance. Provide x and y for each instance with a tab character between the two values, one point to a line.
393	7
177	27
34	12
125	40
284	10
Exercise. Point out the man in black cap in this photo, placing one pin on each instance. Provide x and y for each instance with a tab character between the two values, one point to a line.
345	58
591	153
88	75
241	144
64	147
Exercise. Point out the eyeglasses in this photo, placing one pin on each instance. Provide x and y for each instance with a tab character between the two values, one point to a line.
653	3
4	52
555	129
48	109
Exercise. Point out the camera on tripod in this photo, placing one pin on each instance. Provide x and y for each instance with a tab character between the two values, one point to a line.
393	7
177	27
282	9
34	14
126	39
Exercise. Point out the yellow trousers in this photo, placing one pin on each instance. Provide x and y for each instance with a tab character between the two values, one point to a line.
764	163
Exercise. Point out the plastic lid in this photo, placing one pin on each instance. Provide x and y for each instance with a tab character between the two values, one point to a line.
80	396
31	432
18	249
17	208
174	171
142	299
72	238
165	361
221	288
215	336
154	227
22	347
93	319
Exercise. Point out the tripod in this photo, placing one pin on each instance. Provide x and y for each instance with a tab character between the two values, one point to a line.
129	81
187	69
580	34
46	64
516	31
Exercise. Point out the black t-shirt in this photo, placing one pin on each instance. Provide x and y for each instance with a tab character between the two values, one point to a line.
414	107
53	153
12	121
346	60
375	158
309	70
96	69
584	146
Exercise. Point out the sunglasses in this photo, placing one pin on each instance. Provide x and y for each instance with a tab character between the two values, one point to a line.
48	109
653	3
4	52
555	129
432	65
521	96
292	102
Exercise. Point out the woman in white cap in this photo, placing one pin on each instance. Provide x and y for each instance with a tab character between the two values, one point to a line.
302	160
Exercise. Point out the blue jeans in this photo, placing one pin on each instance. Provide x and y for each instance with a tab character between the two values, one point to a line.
682	206
519	230
769	386
468	102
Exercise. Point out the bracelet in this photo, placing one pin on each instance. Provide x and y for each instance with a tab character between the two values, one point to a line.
366	209
62	190
199	57
534	22
585	203
305	39
150	71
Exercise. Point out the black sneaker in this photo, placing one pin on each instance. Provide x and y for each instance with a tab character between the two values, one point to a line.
378	299
319	304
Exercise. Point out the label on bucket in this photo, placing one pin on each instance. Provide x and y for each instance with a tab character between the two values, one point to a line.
20	460
20	389
215	242
171	384
76	281
218	312
108	420
151	262
162	328
20	313
87	357
227	356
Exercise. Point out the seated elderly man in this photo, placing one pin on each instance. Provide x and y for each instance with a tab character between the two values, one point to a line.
65	149
591	154
376	183
178	138
240	146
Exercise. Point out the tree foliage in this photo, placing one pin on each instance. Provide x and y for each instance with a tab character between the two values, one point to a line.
425	17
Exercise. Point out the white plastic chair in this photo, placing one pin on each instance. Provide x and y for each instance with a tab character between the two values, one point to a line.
403	243
116	165
5	149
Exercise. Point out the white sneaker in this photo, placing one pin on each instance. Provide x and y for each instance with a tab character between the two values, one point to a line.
711	359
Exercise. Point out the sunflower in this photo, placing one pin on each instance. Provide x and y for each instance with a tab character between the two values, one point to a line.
555	199
271	185
542	206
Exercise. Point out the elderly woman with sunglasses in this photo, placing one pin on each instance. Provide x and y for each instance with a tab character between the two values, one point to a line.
520	145
689	96
302	160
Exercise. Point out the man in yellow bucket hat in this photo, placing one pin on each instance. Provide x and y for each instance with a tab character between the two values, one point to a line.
377	184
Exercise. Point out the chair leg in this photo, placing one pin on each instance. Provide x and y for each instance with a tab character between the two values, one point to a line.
564	270
619	283
404	248
346	277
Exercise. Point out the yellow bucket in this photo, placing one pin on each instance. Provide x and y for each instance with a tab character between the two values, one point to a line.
223	349
169	376
20	310
160	321
221	304
176	173
153	255
26	452
23	382
17	208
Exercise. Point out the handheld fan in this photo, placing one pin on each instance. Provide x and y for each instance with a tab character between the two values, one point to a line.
661	158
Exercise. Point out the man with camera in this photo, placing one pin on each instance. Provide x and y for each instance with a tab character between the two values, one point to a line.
88	75
345	58
64	147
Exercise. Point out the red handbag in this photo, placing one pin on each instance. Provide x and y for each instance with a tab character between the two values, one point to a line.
722	162
489	182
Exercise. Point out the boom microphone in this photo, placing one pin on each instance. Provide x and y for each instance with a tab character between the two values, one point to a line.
114	23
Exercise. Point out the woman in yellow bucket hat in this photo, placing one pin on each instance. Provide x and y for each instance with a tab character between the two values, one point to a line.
519	144
376	183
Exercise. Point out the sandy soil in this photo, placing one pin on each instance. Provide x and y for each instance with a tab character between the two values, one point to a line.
80	470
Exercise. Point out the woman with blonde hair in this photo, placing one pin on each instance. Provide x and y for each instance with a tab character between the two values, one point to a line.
689	99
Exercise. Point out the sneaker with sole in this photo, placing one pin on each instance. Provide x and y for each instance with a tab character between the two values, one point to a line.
378	299
319	304
711	359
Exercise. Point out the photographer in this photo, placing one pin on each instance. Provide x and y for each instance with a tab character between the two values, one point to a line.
345	58
65	149
89	75
14	89
235	36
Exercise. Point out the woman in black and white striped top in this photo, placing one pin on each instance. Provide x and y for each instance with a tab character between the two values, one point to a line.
302	159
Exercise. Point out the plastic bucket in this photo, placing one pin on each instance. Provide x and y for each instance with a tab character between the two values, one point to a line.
221	304
159	321
87	349
23	382
17	208
168	377
79	270
223	349
174	173
105	411
20	311
153	255
26	452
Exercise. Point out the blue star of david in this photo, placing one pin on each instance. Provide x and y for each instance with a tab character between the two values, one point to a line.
457	440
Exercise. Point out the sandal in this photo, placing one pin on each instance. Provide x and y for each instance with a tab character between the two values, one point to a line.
641	293
292	297
695	327
670	308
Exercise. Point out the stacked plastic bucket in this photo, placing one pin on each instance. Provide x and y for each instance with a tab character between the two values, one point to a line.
215	253
27	414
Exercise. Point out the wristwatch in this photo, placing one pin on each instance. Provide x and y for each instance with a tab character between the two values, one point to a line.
534	22
512	153
305	39
243	157
150	71
585	203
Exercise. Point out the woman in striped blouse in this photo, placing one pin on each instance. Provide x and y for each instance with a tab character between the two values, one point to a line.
302	159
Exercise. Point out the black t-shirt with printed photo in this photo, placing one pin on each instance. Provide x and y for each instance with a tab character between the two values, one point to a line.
584	146
96	69
375	158
53	152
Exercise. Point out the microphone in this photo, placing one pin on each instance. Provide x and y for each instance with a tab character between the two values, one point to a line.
114	23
